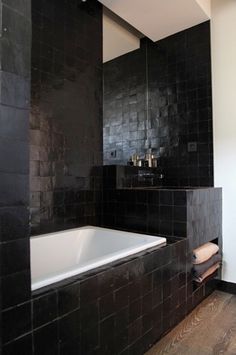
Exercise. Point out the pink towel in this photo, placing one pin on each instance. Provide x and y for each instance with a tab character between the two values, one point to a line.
204	252
206	274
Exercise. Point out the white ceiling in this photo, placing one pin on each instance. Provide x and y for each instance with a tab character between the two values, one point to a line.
158	19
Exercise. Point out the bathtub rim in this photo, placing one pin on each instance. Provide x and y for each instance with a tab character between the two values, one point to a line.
130	254
52	234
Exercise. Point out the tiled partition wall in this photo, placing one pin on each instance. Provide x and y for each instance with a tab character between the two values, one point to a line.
185	214
193	213
63	87
159	96
15	36
66	114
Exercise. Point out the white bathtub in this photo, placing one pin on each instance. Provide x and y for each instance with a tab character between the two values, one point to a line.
60	255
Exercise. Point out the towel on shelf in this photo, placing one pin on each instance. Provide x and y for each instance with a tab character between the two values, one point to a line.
199	269
209	272
204	252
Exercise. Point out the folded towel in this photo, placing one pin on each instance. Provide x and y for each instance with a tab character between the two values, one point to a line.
199	269
206	274
204	252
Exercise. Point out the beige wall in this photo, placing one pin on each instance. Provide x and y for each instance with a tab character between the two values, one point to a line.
224	118
117	40
206	6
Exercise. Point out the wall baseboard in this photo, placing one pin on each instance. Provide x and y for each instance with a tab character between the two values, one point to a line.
225	286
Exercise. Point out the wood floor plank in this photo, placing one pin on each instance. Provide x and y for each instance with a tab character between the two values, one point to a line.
209	329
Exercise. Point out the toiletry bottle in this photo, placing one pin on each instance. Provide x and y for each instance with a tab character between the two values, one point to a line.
133	158
154	161
150	160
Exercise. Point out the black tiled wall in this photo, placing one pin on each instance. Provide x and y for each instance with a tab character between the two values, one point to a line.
65	139
160	97
124	106
190	213
15	29
66	114
196	215
58	320
193	213
204	216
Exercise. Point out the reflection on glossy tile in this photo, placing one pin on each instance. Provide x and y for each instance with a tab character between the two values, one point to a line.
66	120
177	120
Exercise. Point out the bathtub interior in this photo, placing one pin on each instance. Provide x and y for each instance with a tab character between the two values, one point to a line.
57	256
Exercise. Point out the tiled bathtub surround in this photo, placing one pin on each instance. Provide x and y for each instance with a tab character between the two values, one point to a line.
66	114
121	309
160	97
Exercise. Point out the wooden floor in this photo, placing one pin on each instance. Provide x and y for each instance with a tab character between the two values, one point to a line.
209	329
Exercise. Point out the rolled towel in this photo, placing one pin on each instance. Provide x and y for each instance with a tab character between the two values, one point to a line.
206	274
204	252
199	269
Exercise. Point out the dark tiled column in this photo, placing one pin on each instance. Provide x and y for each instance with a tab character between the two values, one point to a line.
66	114
15	43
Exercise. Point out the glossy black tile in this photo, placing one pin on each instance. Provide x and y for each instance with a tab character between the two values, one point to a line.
16	289
46	339
89	340
135	290
89	314
105	282
121	297
72	347
14	125
21	6
17	196
121	276
68	298
15	53
122	319
20	346
107	343
146	284
106	305
69	327
135	310
147	302
45	309
14	90
121	340
20	317
157	277
135	330
18	251
89	290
